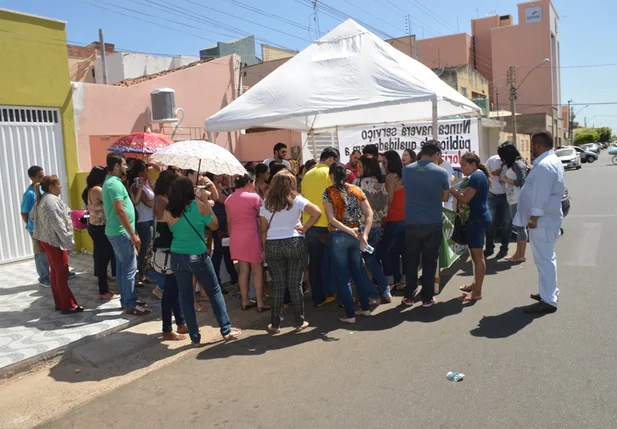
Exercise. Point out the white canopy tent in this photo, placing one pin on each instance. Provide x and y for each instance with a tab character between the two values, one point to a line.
348	78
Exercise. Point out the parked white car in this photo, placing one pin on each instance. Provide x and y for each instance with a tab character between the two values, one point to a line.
569	157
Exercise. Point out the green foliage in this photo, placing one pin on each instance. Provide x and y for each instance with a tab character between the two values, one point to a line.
586	135
605	134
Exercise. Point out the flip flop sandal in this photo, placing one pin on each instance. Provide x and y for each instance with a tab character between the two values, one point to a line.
466	288
468	298
233	334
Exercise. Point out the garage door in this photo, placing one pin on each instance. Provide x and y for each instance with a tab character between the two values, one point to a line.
28	136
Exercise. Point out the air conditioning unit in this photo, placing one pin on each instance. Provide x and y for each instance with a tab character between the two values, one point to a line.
163	105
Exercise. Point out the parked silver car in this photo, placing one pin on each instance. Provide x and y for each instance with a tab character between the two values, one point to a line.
569	157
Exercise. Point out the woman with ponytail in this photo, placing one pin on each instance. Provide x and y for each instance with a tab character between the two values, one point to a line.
475	194
54	229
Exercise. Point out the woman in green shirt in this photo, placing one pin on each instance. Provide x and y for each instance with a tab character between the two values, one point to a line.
188	219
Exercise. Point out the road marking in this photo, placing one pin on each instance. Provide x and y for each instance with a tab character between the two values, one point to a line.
586	252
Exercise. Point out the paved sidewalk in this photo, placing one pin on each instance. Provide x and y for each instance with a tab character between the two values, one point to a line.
29	324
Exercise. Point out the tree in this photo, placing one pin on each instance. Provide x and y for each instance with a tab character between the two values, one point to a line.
605	134
586	135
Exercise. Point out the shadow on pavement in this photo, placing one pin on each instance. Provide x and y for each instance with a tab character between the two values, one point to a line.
503	325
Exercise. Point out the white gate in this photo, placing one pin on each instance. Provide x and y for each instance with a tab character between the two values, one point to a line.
322	141
28	136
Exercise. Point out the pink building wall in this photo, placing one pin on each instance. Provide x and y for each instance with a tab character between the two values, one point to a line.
201	91
446	51
258	146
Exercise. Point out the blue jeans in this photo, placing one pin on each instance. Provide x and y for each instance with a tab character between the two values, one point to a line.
170	302
372	261
317	249
126	269
200	266
500	215
521	231
347	260
42	267
144	231
392	245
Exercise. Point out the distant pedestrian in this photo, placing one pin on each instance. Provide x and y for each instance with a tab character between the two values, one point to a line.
54	229
539	208
315	182
408	157
120	230
262	178
35	173
352	165
242	208
188	218
104	252
475	194
142	194
280	152
514	179
162	273
426	187
499	208
285	246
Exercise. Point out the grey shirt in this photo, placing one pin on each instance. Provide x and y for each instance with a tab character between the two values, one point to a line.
424	182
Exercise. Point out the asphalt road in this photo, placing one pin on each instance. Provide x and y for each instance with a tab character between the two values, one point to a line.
389	371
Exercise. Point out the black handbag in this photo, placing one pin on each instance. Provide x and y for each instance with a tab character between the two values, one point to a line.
459	233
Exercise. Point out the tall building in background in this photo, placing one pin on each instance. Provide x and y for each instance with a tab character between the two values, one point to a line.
498	43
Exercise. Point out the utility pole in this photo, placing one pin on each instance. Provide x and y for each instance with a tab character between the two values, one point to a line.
585	121
103	58
512	83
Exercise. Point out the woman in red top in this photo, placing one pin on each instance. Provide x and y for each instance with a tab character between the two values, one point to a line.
392	244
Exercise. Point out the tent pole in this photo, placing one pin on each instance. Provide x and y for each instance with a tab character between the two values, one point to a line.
313	143
435	125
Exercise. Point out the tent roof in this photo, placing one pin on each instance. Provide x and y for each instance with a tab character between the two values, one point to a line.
349	77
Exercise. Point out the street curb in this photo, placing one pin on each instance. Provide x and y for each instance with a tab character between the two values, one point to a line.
27	364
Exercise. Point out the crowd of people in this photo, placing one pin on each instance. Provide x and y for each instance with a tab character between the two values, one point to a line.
374	221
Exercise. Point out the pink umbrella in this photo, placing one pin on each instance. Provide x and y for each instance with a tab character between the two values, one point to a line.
144	143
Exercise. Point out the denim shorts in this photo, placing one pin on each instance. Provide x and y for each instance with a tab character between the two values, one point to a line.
476	232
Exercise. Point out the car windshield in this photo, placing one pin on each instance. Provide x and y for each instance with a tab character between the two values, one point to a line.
565	152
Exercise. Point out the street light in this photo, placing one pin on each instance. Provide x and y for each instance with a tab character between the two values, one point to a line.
513	93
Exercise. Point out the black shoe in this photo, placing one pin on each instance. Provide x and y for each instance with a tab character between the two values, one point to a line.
488	253
502	254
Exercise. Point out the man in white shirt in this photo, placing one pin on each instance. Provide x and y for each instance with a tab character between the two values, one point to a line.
539	208
280	152
500	209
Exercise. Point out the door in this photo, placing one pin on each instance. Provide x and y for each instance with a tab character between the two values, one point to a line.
28	136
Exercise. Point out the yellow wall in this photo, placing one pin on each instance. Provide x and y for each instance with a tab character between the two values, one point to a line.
34	72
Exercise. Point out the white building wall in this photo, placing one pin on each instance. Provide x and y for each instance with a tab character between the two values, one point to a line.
128	65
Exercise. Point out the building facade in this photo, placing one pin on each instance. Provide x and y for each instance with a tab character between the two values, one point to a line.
36	119
243	47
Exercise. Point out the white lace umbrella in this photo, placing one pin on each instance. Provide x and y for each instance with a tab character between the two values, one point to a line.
199	155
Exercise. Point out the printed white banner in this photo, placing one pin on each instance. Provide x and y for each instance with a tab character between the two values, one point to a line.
456	137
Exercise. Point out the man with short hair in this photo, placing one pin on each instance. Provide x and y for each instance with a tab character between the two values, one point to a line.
352	165
120	229
426	186
314	184
539	208
35	173
499	208
280	152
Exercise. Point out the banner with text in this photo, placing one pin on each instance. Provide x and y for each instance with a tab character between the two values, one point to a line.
456	137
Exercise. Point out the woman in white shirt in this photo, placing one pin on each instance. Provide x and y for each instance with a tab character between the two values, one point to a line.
286	250
514	179
142	195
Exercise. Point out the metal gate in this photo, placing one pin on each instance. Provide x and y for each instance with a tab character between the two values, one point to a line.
322	141
28	136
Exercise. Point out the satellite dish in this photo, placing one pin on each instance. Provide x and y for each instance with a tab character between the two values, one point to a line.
439	71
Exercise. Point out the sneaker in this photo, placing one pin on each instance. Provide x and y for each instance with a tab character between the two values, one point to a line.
488	253
502	254
138	311
72	275
45	284
408	302
430	303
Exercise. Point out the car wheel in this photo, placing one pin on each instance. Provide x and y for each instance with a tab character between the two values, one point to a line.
591	159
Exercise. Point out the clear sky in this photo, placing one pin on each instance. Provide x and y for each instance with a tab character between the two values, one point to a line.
186	26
